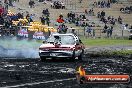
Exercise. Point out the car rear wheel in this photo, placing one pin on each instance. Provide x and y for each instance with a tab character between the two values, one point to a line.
80	57
73	56
42	58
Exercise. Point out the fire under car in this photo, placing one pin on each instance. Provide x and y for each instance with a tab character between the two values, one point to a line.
65	46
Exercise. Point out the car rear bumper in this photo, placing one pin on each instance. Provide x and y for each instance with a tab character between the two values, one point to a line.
56	53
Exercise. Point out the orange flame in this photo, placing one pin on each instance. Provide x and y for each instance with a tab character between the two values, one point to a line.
81	71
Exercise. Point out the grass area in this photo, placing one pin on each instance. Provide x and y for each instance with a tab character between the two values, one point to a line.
113	53
105	42
121	52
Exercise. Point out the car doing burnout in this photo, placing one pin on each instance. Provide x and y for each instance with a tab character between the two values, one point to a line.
62	46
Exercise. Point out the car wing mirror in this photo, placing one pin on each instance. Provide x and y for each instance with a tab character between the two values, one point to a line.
77	43
80	41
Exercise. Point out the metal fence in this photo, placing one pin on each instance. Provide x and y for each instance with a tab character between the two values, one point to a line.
98	33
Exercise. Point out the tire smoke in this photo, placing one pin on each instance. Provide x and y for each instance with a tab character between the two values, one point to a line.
22	48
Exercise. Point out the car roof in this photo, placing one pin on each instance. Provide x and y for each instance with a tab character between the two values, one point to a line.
71	34
64	34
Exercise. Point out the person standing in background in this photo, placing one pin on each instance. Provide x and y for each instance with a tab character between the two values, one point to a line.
10	3
80	1
111	31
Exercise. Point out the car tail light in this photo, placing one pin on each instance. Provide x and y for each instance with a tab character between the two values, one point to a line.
44	49
40	48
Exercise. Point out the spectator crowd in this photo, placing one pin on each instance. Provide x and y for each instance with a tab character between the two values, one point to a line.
58	5
127	9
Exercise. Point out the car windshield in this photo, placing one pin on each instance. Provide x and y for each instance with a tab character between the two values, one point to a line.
65	39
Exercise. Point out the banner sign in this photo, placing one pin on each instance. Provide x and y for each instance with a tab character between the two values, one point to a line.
23	33
39	35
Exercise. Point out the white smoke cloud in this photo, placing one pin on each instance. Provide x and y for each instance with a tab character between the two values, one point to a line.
11	47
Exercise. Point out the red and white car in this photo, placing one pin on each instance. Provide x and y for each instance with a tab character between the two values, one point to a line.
62	46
